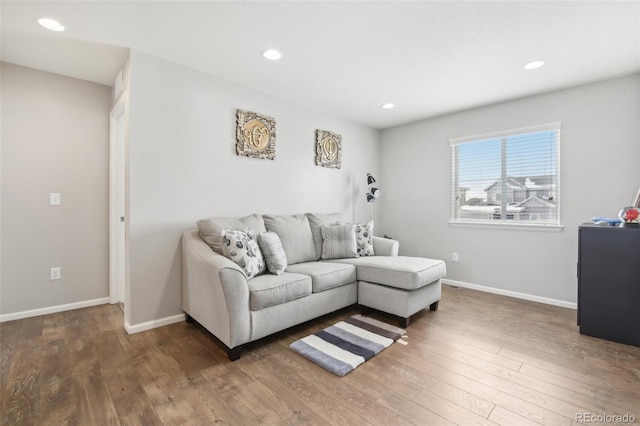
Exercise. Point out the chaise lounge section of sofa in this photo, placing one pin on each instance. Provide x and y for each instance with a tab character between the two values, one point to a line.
218	294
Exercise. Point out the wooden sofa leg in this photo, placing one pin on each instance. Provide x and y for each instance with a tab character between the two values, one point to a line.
365	310
434	306
234	353
404	322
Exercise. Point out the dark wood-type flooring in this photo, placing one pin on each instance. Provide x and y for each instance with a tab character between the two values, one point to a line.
480	359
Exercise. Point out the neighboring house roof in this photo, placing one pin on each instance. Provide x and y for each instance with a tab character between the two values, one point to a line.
527	182
511	184
491	209
534	200
537	182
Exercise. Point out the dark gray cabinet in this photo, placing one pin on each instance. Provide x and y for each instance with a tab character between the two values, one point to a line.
609	283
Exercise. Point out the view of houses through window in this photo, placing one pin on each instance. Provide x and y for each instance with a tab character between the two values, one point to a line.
509	177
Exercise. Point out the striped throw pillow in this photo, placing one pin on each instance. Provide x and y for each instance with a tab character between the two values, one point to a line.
273	252
338	242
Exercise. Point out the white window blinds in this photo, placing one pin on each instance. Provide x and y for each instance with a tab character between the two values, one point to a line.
510	177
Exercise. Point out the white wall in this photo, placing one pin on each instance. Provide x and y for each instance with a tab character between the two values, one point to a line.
54	139
183	167
600	148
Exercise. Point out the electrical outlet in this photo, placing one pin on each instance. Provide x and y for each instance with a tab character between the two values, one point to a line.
56	273
54	198
455	257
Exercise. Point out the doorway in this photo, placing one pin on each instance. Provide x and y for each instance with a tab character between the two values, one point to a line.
117	202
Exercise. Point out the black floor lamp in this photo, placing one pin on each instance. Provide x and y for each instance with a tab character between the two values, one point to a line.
373	192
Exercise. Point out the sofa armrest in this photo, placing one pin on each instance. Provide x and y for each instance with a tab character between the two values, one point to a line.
385	246
214	291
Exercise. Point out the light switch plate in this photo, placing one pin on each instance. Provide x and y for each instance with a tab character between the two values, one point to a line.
54	199
56	273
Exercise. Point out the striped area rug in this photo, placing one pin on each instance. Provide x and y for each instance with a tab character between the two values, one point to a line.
347	344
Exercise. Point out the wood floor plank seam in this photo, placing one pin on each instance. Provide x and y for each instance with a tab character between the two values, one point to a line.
495	395
568	394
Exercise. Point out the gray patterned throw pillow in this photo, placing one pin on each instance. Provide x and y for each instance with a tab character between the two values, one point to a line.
364	238
242	248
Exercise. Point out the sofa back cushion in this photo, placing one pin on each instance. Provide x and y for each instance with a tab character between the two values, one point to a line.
317	221
211	228
295	234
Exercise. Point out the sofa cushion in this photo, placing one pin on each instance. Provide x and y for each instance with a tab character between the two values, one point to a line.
295	234
317	221
211	228
272	251
338	241
270	290
403	272
325	275
242	248
364	238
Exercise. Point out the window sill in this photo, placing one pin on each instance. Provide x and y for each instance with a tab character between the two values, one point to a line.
505	225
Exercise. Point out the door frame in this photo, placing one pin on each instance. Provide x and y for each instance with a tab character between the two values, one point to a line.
117	200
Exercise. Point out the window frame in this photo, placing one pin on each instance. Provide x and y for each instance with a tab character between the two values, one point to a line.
506	224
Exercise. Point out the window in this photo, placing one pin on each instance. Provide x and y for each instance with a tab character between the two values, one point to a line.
507	178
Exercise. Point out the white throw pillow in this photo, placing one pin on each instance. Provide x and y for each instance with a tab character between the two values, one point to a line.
242	248
273	253
364	238
338	242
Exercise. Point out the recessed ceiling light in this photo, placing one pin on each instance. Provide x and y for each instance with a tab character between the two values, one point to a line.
388	106
533	65
272	54
51	24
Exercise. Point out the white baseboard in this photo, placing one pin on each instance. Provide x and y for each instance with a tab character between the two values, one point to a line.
137	328
53	309
509	293
131	329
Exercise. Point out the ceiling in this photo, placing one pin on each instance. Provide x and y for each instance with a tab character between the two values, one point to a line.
345	58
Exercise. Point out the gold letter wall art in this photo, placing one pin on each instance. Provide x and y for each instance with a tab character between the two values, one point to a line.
255	135
328	149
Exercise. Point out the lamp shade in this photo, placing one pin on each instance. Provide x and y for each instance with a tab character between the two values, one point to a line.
370	198
370	179
376	192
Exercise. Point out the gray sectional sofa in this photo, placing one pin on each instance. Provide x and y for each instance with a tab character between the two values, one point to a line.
218	294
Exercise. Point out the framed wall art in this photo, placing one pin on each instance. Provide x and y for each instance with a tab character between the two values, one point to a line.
255	135
328	149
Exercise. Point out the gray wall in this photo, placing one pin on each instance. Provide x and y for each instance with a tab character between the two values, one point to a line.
600	148
54	139
183	167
